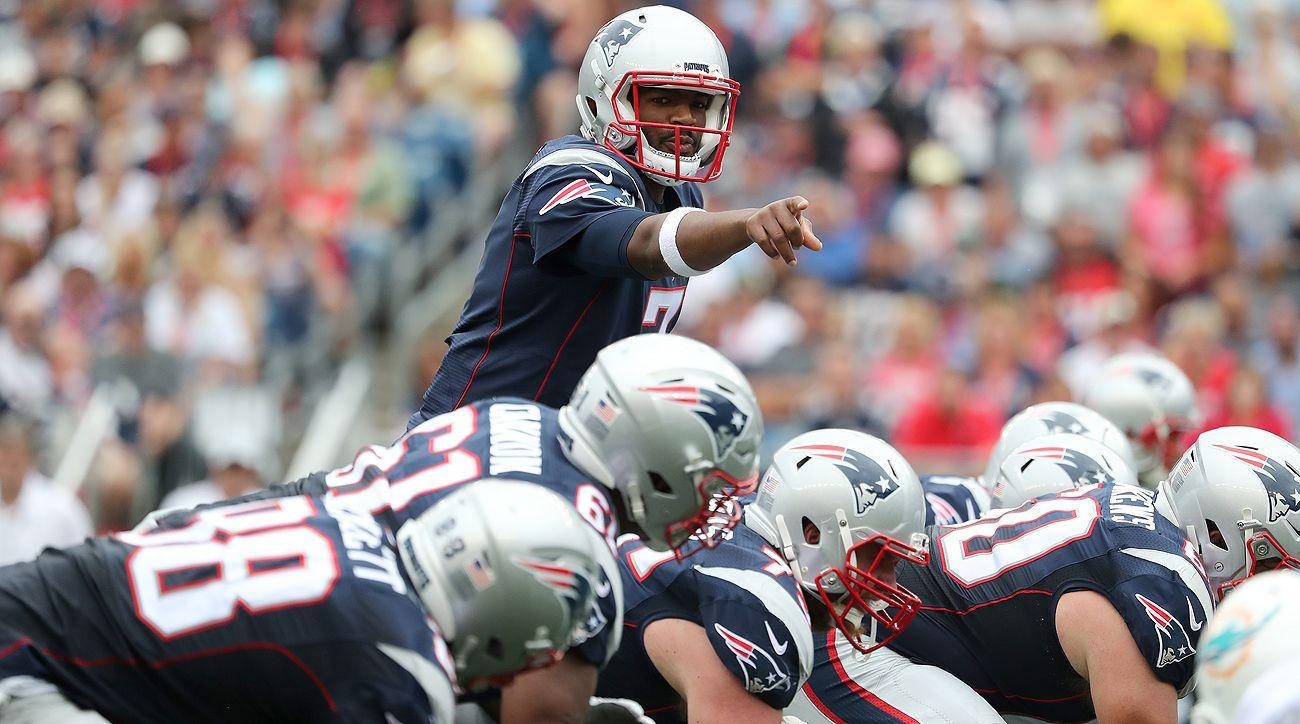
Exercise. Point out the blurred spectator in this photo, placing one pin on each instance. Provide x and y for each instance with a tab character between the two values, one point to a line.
26	380
1100	181
938	217
1183	23
1264	205
1247	404
34	513
909	369
948	430
233	470
1277	356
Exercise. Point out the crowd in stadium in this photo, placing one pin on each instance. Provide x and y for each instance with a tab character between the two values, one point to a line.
199	201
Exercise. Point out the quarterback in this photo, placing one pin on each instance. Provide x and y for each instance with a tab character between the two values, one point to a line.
598	235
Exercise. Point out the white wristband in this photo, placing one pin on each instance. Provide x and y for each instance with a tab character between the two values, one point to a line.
668	243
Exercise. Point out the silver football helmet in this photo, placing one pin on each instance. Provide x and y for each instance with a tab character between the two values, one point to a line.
1236	492
1052	463
657	46
1047	418
843	508
672	426
509	572
1246	668
1153	402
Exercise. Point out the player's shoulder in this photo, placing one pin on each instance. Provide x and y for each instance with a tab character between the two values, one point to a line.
953	499
578	156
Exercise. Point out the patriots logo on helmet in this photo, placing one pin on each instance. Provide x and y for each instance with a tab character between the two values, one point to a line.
1063	422
871	482
570	585
614	36
584	189
1280	481
1152	378
724	418
762	672
1172	637
1083	470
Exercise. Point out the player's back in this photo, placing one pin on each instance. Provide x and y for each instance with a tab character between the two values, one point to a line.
989	595
535	320
741	593
292	609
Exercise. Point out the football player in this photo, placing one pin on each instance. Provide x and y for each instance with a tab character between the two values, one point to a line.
723	636
842	508
1246	670
1079	604
298	609
1053	463
599	235
1153	402
956	499
665	422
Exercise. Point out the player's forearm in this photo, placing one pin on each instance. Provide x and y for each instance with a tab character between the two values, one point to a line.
704	239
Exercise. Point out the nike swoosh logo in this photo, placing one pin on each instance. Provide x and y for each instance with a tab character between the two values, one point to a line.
1191	616
779	648
605	178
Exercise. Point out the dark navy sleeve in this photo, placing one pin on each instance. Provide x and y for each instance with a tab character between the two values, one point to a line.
311	484
1166	620
951	499
594	205
758	630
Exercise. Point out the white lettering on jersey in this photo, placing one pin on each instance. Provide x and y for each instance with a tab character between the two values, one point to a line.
778	602
515	439
1133	506
363	538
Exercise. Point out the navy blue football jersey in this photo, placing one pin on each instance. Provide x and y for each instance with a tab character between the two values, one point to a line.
741	593
502	438
953	499
292	609
554	286
990	589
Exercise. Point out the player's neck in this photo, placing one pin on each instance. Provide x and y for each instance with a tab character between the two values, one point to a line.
656	190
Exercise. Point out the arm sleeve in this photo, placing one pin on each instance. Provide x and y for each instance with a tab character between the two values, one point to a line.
388	684
754	644
312	484
581	217
1166	621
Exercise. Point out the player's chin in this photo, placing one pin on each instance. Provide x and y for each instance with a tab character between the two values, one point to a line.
668	144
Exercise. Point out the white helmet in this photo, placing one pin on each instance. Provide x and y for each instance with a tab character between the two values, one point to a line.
674	427
1047	418
508	571
1153	402
1236	492
656	46
843	508
1052	463
1246	669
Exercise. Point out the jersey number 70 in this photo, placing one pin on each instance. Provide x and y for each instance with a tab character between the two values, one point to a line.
980	551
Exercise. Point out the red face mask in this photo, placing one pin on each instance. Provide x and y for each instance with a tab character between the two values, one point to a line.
874	583
1264	553
718	516
633	81
1170	447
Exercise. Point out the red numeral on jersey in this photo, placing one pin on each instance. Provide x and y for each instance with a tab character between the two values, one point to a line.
662	307
256	556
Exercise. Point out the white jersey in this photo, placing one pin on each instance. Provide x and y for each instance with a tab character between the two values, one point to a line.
882	686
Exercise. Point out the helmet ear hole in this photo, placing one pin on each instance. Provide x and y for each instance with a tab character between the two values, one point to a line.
811	534
659	484
495	648
1216	535
591	104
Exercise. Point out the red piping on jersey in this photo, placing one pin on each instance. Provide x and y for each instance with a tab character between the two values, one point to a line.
501	320
941	609
572	329
856	688
821	707
658	709
162	663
